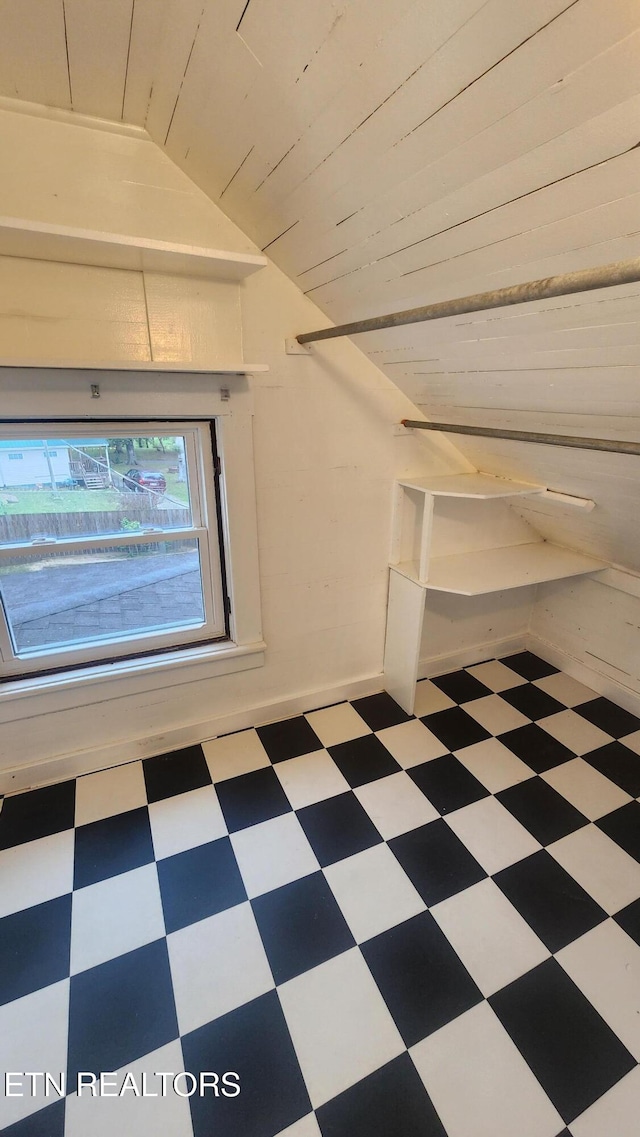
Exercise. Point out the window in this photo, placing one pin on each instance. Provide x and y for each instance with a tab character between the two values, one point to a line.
112	551
15	457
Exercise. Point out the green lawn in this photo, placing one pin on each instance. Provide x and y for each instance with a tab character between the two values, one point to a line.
64	501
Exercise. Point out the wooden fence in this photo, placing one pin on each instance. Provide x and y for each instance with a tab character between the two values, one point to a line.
18	527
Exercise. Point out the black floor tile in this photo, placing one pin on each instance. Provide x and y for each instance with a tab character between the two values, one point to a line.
529	666
461	687
572	1052
546	814
447	783
363	760
254	1042
623	827
34	948
175	773
47	1122
619	764
421	977
532	702
436	861
252	798
613	719
301	926
455	728
199	883
536	747
549	899
38	813
112	846
391	1102
629	920
337	828
288	739
380	711
120	1011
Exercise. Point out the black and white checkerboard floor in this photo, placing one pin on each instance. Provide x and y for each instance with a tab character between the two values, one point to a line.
406	927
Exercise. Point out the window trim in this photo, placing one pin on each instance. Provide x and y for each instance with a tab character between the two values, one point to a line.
205	501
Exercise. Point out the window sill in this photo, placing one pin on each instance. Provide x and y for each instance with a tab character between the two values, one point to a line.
108	681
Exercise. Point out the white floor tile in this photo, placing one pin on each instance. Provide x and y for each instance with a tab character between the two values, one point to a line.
109	792
272	854
35	872
613	1115
306	1127
334	725
496	676
217	965
632	741
603	869
186	820
115	916
373	892
411	743
492	834
495	715
480	1084
33	1036
430	699
395	805
605	965
587	789
310	778
493	941
565	689
493	764
131	1116
340	1025
575	732
235	754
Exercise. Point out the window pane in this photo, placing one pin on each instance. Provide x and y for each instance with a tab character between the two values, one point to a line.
79	487
60	600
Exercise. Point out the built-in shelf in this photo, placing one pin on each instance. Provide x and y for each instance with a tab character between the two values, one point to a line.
458	534
495	570
37	240
482	486
140	365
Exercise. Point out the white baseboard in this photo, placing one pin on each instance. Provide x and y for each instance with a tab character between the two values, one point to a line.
590	676
467	656
88	761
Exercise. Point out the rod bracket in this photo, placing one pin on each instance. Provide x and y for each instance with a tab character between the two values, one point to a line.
292	347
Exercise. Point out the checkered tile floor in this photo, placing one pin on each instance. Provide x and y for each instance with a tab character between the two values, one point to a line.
407	927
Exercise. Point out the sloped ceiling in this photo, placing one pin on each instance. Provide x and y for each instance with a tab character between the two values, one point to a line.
387	153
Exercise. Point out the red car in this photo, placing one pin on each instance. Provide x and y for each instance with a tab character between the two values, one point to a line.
140	480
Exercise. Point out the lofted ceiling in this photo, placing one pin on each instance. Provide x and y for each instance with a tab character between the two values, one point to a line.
387	153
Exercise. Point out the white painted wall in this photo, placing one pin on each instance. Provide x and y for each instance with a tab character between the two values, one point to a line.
325	450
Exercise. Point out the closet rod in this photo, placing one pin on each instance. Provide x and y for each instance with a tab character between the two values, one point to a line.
607	276
609	444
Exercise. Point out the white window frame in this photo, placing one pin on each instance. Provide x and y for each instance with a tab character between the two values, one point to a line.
69	393
203	527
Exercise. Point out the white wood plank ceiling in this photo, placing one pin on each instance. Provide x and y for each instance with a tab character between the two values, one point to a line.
387	153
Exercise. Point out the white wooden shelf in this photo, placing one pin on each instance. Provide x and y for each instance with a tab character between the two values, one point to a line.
483	571
140	365
482	486
458	534
37	240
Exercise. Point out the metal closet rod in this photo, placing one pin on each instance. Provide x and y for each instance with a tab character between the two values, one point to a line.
576	443
607	276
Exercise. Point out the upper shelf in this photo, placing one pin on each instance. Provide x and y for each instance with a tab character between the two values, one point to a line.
231	368
482	486
37	240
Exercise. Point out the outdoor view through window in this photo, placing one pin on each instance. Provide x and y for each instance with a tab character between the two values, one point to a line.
108	543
